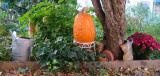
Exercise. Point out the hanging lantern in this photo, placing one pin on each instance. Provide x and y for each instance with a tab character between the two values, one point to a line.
84	32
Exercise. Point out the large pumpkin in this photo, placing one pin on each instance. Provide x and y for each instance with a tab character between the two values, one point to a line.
84	29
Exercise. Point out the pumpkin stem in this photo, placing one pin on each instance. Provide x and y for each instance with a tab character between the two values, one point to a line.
85	9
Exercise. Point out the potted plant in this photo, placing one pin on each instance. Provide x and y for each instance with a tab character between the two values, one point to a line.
143	45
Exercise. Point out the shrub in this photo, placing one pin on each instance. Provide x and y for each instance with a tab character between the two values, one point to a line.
53	42
5	42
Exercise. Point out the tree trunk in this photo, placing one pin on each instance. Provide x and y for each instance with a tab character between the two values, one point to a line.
112	16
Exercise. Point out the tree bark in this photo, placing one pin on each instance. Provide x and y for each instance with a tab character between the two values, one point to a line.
112	16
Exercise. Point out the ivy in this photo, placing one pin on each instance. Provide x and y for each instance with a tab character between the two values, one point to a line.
53	42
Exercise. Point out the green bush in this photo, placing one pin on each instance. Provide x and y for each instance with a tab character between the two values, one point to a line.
5	36
5	42
99	29
5	53
53	42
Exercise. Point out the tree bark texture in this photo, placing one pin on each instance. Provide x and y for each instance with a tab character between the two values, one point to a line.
112	16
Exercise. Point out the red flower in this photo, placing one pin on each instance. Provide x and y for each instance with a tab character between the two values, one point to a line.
151	48
145	41
143	46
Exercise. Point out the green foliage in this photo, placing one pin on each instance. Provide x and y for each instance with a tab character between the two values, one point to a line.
99	29
5	42
35	14
5	36
155	55
3	14
43	8
5	53
2	30
53	46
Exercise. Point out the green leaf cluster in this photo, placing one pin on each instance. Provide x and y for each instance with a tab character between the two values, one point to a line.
53	41
154	55
5	42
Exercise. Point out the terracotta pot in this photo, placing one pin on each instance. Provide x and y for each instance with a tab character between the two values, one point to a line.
109	55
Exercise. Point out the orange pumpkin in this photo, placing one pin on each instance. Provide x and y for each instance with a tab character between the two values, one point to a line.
32	28
84	29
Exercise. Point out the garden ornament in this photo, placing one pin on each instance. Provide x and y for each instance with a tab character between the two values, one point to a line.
21	48
127	50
